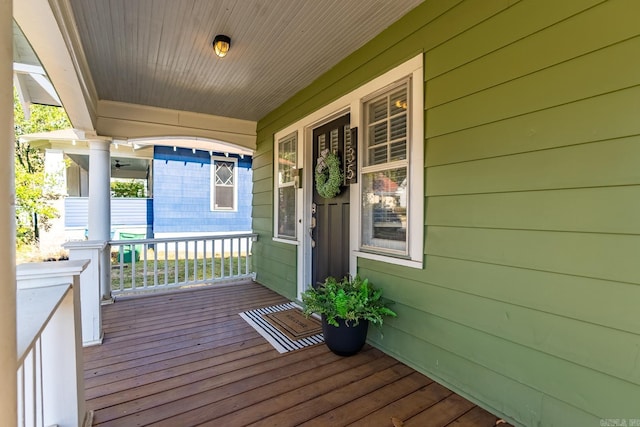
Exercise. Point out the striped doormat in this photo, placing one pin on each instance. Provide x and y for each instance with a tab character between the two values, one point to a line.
259	320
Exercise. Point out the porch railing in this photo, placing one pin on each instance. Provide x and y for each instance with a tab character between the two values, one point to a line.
49	344
139	265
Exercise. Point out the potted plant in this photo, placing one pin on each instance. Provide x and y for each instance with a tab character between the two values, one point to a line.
347	307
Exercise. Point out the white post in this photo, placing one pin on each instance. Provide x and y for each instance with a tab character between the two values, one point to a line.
8	357
62	366
100	206
62	361
90	295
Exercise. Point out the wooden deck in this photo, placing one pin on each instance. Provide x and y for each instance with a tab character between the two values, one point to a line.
186	358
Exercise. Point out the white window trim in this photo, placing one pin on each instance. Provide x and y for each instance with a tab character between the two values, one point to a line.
378	252
415	129
212	180
298	192
352	103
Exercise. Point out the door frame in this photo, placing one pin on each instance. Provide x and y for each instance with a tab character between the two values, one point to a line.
311	145
305	259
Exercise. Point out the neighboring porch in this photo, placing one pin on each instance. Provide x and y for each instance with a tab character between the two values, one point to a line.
187	358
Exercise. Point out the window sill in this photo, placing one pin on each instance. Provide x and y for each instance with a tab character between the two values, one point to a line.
287	241
390	259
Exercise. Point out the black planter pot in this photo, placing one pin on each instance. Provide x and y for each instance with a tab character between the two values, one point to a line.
345	340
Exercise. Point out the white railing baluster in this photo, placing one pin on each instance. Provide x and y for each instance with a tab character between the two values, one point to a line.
204	260
21	397
32	387
186	263
132	248
175	262
214	242
223	253
195	261
40	417
166	263
246	257
238	261
231	257
144	265
155	265
121	265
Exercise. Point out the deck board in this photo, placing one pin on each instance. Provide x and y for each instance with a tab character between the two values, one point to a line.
186	358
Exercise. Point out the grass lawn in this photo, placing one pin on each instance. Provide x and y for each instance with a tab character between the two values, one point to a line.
191	271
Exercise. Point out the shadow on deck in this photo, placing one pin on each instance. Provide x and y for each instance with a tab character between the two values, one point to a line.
186	358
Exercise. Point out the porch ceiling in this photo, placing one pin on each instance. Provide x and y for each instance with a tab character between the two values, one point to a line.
158	53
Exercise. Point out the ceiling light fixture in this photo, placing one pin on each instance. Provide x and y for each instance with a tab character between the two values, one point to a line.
221	45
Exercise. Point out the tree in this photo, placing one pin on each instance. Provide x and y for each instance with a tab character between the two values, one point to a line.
33	195
128	188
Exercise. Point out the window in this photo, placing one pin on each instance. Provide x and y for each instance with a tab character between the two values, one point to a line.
385	172
224	179
286	173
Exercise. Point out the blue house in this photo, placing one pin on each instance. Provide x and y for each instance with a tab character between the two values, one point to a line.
201	193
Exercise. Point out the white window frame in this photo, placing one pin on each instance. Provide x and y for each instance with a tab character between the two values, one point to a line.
295	184
233	160
381	167
414	257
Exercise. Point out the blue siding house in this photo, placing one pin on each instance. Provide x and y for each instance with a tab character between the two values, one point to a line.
200	192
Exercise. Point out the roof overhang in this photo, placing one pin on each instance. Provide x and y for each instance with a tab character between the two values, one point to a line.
146	124
51	30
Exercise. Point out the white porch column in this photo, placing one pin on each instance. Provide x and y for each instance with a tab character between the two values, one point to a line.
100	206
8	358
90	291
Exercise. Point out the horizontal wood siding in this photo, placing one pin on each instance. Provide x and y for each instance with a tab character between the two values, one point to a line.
528	301
124	212
273	262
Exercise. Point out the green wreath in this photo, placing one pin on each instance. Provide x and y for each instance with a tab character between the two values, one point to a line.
328	175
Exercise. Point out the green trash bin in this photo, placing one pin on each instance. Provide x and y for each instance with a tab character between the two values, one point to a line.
130	252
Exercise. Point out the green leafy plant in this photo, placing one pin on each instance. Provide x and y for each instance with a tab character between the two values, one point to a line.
129	188
351	299
36	190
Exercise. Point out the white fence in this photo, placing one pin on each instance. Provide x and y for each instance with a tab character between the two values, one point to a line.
151	264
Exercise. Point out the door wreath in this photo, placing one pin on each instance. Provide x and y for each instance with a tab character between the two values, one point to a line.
328	175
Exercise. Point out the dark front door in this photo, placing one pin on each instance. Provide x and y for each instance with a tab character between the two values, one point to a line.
330	253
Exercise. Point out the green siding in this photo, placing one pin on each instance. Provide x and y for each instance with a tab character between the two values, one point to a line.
528	300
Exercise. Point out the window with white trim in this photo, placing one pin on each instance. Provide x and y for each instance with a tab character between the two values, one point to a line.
224	183
385	172
286	175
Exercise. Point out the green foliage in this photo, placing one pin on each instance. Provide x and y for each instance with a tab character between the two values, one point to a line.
32	204
351	299
33	186
328	175
132	188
